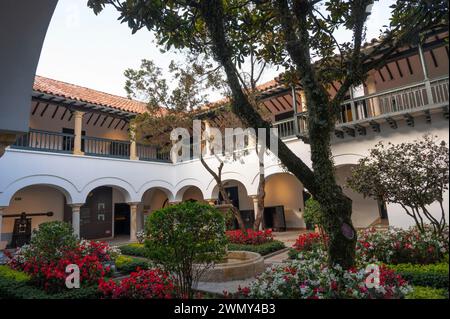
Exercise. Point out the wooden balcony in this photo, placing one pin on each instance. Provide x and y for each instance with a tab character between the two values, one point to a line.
358	114
56	142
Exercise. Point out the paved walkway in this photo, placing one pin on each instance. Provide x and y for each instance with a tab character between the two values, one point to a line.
289	237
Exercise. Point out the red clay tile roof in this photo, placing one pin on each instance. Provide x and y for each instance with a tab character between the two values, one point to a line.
86	95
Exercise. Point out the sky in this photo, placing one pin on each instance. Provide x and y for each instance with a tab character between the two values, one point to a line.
93	51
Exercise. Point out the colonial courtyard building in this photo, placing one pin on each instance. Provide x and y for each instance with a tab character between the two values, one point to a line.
78	163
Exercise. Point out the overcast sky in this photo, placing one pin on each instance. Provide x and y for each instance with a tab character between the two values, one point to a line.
93	51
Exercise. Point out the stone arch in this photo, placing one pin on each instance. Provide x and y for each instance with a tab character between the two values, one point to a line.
187	184
124	187
190	192
66	187
212	191
163	186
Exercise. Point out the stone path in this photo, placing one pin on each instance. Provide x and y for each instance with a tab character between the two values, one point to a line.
277	259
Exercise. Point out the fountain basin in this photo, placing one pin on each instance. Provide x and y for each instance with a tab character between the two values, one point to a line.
238	265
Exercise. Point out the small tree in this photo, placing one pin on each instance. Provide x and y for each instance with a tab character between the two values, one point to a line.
186	239
314	216
51	239
413	175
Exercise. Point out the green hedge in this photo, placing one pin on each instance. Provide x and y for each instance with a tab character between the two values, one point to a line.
15	285
427	293
8	273
133	250
263	249
128	264
433	275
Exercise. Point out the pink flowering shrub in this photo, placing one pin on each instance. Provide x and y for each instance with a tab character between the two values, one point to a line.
312	278
250	237
396	246
143	284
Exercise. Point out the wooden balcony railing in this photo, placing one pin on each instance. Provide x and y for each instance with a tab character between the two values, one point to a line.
91	146
45	141
398	101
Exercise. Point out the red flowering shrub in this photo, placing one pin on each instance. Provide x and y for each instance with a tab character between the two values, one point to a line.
143	284
250	237
50	273
308	242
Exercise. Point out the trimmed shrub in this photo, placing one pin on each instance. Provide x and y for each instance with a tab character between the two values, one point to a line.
262	249
127	264
51	238
15	285
427	293
313	213
433	275
185	239
8	273
133	249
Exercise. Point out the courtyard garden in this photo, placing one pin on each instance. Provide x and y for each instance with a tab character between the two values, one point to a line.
184	241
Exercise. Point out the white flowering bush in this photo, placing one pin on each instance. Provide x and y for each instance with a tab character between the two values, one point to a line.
141	236
312	278
395	246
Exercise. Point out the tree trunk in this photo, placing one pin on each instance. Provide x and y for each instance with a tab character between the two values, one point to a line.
218	178
261	189
321	184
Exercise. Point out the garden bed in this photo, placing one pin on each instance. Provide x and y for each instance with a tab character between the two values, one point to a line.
262	249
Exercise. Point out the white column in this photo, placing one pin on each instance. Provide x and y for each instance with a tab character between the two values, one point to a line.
133	221
208	136
76	219
133	146
78	126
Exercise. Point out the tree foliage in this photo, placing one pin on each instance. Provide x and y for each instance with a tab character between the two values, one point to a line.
295	34
414	175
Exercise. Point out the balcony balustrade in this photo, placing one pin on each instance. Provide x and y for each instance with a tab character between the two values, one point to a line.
56	142
378	107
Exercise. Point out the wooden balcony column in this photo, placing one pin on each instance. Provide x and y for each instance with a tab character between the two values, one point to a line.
295	107
425	75
78	128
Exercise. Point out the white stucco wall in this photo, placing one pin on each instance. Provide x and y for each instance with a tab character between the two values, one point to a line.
284	189
33	199
76	176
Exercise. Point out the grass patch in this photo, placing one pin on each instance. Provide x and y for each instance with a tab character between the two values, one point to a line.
262	249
